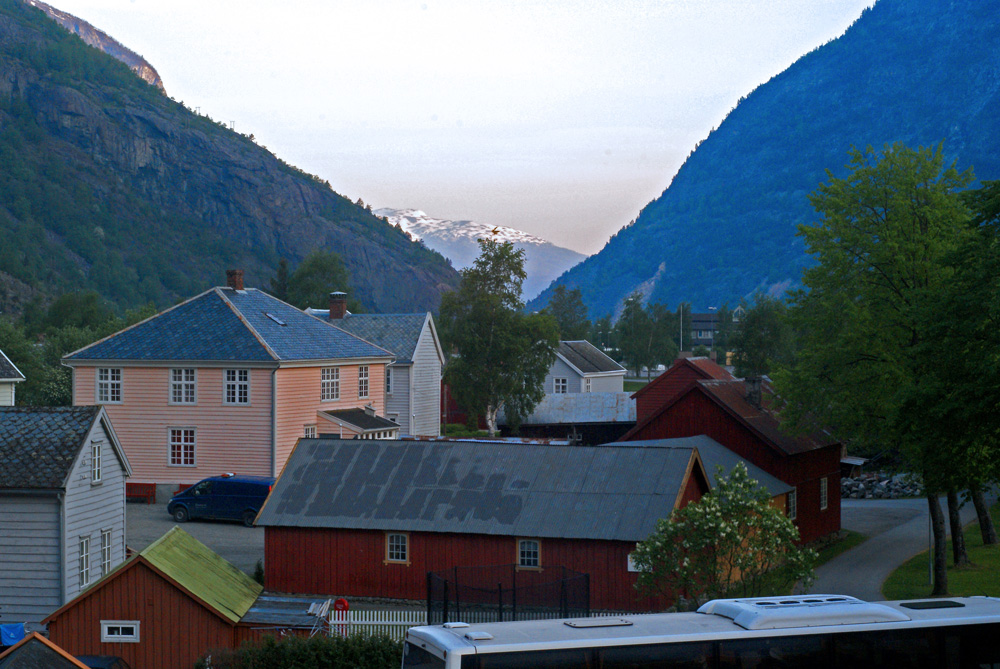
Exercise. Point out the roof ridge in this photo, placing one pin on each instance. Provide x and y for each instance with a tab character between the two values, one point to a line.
246	323
327	322
11	363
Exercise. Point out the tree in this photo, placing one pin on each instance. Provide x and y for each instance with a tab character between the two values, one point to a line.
319	274
881	245
279	284
731	542
635	332
501	353
764	340
567	307
662	349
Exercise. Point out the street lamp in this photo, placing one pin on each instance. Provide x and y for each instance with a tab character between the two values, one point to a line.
711	331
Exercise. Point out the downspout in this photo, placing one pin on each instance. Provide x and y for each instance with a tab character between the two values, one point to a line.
63	543
274	422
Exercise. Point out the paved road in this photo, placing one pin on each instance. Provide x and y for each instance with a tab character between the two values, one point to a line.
243	546
897	530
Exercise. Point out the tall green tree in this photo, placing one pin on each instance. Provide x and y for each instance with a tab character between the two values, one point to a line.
662	348
279	284
319	274
765	339
635	333
881	245
567	307
501	354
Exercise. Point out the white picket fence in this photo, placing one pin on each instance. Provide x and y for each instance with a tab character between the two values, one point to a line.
395	623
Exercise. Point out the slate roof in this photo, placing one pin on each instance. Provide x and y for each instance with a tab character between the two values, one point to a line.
587	358
713	455
223	324
535	490
8	371
38	445
34	651
398	333
361	419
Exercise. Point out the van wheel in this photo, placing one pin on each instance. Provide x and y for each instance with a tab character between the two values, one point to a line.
249	517
181	514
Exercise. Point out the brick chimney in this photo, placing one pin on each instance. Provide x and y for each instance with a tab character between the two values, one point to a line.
234	279
753	395
338	306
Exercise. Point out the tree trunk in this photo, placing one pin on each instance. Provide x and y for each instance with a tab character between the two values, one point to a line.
986	527
960	556
491	419
940	546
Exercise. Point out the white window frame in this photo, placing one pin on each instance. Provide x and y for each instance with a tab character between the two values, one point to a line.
560	385
630	564
823	494
309	431
236	387
108	388
388	380
397	547
96	472
105	552
362	382
526	553
793	504
329	385
84	561
588	386
183	386
176	437
108	634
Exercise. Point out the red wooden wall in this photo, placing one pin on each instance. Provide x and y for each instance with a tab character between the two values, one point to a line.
664	388
696	414
352	562
174	630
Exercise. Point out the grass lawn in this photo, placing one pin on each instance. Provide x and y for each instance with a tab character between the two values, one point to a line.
981	578
632	386
850	540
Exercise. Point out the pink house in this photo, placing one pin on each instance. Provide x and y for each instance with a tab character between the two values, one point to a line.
227	381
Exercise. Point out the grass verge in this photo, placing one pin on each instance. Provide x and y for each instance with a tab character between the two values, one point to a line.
849	541
632	386
980	578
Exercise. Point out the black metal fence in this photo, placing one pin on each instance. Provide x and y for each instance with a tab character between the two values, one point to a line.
506	592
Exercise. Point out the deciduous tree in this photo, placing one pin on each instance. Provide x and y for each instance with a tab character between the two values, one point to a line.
567	307
764	340
319	274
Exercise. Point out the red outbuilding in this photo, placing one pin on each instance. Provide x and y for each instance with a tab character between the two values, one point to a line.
740	415
672	382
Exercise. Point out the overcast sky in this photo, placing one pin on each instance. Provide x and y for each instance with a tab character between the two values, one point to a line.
562	118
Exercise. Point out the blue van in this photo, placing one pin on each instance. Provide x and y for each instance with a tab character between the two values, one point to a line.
226	497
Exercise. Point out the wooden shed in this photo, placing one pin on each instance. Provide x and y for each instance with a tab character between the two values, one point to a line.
743	418
672	382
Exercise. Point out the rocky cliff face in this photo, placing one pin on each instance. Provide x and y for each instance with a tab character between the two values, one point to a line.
101	40
113	186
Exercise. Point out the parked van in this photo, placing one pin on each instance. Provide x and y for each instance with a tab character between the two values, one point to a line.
226	497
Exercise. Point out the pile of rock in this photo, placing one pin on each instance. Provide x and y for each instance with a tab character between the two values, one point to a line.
878	486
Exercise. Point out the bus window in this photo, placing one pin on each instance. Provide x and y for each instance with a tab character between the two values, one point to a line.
415	657
979	647
776	653
659	656
576	658
905	649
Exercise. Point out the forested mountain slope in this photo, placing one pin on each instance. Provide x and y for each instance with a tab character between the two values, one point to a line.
108	184
916	71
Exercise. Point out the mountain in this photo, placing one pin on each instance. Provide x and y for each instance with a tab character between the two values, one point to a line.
916	71
456	240
107	184
101	40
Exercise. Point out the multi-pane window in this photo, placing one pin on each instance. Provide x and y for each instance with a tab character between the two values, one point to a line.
396	547
528	553
109	385
182	387
105	552
310	432
560	385
95	461
388	380
330	383
120	631
822	494
237	386
84	565
182	445
793	503
588	385
362	381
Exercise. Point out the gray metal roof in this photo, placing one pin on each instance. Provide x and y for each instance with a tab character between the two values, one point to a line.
398	333
535	490
714	455
8	371
587	358
361	419
38	445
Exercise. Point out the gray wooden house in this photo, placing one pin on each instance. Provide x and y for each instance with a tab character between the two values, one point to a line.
10	376
581	367
62	506
413	381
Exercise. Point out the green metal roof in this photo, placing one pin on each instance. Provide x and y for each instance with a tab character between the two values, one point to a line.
204	573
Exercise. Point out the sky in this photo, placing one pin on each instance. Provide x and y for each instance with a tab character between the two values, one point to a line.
562	118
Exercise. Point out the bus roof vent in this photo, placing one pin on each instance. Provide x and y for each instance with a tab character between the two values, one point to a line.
597	622
478	636
932	604
767	613
452	626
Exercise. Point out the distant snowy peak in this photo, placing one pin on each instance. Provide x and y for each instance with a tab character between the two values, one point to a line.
419	225
457	241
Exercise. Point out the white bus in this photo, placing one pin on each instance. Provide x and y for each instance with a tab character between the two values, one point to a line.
815	631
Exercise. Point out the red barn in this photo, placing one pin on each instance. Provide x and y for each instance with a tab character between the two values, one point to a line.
373	519
672	382
737	414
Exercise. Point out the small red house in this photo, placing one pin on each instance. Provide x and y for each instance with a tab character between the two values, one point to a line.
681	374
739	416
